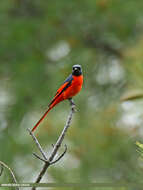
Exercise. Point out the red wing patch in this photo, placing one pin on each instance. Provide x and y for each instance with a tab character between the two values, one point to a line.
60	91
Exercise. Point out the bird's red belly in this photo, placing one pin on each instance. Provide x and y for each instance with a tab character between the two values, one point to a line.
74	88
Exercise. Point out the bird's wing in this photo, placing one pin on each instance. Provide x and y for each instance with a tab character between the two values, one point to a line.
64	86
68	79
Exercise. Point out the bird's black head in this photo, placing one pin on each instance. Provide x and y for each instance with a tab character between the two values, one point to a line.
76	70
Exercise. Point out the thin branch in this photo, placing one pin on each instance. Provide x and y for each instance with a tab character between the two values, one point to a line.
37	156
60	156
38	144
62	135
56	146
11	172
1	171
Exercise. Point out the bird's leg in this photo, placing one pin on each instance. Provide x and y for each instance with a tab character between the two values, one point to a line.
72	103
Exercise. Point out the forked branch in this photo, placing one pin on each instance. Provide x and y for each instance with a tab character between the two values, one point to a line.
50	161
3	165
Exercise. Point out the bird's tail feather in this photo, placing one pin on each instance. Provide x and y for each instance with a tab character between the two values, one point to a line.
41	119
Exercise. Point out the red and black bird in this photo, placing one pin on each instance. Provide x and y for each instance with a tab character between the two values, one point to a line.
71	86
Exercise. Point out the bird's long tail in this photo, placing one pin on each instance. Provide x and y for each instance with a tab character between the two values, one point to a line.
58	98
41	119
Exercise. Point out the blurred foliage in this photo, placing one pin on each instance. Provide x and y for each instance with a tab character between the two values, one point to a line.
140	148
40	41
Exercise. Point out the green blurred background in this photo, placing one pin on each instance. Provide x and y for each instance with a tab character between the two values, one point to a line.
39	43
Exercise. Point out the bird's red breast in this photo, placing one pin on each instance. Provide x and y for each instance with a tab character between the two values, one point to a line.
68	90
74	88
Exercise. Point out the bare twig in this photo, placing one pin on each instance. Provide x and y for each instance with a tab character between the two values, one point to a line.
1	171
11	172
56	146
60	156
37	156
38	144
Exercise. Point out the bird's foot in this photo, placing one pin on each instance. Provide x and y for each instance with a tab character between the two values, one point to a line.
72	105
